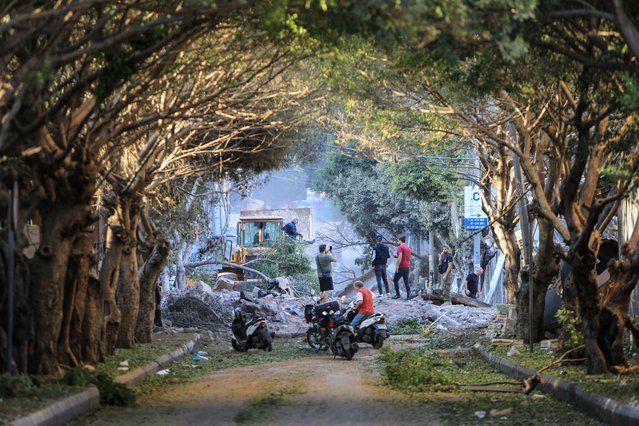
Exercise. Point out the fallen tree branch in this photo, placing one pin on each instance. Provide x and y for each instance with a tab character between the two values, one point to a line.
225	263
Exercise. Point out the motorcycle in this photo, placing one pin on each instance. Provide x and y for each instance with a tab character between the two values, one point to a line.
251	334
330	330
372	330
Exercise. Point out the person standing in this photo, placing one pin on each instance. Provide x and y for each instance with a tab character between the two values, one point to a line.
291	229
471	283
364	307
381	253
403	267
446	271
324	261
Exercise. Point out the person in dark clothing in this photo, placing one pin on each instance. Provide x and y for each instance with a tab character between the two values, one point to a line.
471	283
291	229
402	269
381	253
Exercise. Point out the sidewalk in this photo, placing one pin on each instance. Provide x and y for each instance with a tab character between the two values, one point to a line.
605	409
59	413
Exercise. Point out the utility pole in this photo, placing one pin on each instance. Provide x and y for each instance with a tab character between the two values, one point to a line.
527	240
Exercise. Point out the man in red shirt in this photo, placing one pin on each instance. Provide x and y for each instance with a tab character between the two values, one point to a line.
403	267
364	305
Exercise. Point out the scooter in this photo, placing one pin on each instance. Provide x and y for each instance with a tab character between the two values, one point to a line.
330	330
372	330
251	334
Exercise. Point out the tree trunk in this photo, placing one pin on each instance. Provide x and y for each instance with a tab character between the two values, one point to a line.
128	289
149	274
584	278
165	279
47	283
116	240
624	276
180	271
94	325
75	293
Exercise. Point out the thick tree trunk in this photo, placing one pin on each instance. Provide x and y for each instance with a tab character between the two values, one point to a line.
128	290
94	335
149	274
541	279
47	283
584	278
116	240
624	276
75	293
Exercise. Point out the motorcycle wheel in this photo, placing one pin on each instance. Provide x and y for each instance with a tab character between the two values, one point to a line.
315	339
236	345
379	342
346	348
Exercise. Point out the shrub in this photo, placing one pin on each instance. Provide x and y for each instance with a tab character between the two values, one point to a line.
13	386
412	370
408	325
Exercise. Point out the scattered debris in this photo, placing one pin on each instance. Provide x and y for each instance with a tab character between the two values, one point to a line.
500	413
163	372
513	351
199	357
480	414
124	363
198	308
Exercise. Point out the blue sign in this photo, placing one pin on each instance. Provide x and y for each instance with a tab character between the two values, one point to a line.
475	223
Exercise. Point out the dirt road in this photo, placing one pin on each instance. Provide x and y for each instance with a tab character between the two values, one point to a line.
309	391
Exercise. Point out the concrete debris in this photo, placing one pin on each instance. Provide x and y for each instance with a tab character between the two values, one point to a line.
480	414
198	308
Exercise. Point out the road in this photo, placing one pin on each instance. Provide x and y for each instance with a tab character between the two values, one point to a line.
310	391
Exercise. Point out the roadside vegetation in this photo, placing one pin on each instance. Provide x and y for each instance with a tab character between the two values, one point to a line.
437	380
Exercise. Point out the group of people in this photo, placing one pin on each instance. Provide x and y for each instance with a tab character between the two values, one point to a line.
380	256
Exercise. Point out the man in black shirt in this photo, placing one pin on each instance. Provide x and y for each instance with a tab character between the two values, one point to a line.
381	253
471	283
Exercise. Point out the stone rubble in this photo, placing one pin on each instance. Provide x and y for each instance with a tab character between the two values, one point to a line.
285	313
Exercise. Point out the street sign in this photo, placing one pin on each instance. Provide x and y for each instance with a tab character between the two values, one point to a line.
474	216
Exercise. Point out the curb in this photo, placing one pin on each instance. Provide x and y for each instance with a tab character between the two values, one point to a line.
605	409
60	412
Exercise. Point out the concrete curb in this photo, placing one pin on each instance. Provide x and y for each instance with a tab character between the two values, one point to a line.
60	412
605	409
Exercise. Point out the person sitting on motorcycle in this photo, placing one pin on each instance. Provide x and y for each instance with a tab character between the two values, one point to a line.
364	307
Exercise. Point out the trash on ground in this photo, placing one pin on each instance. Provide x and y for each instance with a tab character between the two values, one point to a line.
480	414
124	363
199	357
163	372
123	368
499	413
513	351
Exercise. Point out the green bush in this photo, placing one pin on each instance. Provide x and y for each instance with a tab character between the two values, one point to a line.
19	385
570	328
111	392
408	325
414	370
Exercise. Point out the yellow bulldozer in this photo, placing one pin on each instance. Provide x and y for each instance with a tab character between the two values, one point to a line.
257	231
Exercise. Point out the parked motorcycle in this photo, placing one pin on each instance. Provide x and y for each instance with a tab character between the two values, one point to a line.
372	330
253	333
330	330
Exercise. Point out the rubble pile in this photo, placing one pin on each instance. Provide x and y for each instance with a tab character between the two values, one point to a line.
452	317
202	307
196	307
